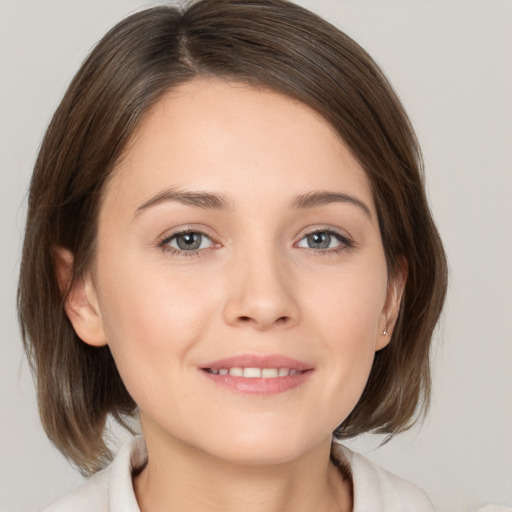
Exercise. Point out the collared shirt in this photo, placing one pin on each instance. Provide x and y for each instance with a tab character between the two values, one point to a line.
111	490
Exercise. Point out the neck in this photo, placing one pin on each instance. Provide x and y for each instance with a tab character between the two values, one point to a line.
180	477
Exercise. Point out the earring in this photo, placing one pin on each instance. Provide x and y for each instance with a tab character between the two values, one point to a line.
384	332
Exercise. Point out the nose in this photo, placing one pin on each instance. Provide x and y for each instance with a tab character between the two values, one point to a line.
261	293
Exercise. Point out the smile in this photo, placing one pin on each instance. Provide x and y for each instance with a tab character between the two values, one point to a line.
255	373
258	375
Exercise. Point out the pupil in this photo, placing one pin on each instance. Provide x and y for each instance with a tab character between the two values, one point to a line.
319	240
189	241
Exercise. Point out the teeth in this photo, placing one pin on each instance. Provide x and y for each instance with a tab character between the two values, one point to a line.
252	373
255	373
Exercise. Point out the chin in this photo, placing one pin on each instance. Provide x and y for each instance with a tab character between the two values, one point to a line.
261	447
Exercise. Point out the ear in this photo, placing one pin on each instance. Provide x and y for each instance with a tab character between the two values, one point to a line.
81	303
389	315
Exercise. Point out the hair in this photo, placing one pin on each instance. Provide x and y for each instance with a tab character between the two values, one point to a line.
273	44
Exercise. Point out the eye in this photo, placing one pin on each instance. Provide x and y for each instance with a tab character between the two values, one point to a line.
186	242
325	240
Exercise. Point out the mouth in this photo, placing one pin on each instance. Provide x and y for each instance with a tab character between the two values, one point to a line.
254	372
266	375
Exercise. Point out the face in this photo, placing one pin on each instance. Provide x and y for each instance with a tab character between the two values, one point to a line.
239	280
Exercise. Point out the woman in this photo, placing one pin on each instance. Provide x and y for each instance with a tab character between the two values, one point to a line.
228	236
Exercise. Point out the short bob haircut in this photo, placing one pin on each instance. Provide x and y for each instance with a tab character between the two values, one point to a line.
271	44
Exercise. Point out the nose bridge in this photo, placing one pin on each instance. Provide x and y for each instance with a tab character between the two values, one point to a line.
261	288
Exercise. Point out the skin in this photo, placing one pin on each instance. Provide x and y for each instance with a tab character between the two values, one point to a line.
255	286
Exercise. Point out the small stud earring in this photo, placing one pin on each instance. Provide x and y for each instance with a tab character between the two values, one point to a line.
384	332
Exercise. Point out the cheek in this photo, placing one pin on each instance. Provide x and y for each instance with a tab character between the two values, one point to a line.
145	295
151	318
349	300
347	311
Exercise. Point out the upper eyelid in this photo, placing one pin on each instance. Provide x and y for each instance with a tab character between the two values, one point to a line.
169	234
324	229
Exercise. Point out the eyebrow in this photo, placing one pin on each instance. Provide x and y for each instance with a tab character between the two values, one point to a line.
205	200
321	198
213	201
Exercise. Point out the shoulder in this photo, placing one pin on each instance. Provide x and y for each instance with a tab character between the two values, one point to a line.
376	489
110	490
92	495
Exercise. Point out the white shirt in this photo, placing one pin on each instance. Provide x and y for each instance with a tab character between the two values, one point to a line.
111	490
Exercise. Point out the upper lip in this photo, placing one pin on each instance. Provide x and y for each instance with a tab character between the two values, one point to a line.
256	361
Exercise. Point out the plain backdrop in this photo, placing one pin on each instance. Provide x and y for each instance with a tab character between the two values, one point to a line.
451	63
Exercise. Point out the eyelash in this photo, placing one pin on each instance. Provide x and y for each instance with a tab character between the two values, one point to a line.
164	244
345	242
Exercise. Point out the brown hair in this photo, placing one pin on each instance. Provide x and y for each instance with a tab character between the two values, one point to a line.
269	43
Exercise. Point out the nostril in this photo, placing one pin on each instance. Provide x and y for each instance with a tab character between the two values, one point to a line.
247	319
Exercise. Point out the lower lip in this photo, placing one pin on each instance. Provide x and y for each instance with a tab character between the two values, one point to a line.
260	386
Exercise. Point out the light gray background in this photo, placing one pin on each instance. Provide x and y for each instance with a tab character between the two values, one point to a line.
451	63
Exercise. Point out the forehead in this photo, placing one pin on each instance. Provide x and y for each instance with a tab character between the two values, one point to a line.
235	139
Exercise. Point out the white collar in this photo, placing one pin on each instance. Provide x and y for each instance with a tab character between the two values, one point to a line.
111	490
